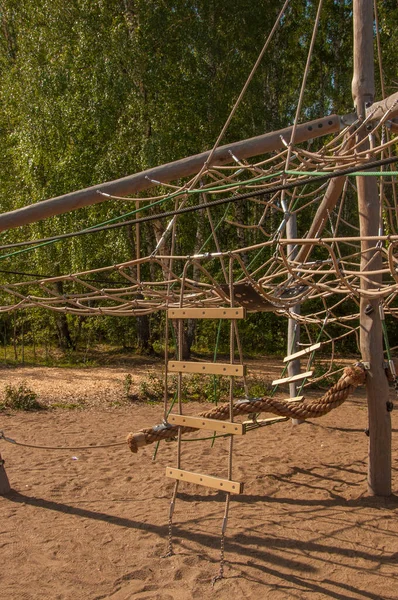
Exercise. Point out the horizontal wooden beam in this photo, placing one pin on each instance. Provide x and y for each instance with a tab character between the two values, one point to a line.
132	184
176	366
210	424
217	483
293	378
302	352
206	313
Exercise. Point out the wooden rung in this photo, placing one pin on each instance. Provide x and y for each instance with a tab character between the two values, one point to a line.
175	366
211	424
213	482
206	313
294	399
293	378
302	352
268	421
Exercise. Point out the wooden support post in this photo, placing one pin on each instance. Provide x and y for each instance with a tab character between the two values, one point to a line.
4	483
371	338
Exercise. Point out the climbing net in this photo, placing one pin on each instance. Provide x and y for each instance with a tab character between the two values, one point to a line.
241	215
242	211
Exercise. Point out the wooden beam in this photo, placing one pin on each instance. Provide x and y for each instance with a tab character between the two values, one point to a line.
371	337
209	424
185	167
302	352
206	313
297	377
234	487
379	109
176	366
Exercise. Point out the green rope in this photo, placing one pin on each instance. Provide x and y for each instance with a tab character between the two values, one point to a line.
148	206
128	214
227	186
385	335
356	174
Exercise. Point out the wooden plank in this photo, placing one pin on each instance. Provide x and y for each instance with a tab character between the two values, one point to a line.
269	421
294	399
211	424
302	352
176	366
235	487
293	378
207	313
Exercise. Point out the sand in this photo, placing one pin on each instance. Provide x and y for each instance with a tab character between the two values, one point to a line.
93	524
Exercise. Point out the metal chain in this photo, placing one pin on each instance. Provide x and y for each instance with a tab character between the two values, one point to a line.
170	551
222	562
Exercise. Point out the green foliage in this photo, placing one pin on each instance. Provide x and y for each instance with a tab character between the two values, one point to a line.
20	397
94	90
127	383
199	388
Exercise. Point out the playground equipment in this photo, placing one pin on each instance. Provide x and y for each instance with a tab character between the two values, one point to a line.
302	253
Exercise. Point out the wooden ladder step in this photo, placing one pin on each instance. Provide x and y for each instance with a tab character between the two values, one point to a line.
216	483
302	352
294	399
211	424
293	378
175	366
268	421
206	313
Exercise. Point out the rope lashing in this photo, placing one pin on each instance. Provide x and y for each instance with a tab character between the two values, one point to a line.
352	377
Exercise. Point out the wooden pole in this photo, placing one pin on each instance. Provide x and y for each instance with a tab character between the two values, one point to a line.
371	337
4	483
185	167
132	184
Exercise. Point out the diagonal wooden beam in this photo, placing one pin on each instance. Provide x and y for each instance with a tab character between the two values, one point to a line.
185	167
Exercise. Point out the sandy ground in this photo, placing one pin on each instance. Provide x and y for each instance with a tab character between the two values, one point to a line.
92	524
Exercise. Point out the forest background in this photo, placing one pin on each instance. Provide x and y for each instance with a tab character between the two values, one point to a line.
93	90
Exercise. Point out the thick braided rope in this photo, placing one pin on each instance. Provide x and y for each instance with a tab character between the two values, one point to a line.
351	378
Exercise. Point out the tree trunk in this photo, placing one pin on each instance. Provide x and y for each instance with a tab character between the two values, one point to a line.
64	337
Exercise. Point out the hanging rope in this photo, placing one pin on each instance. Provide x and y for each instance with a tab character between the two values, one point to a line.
37	447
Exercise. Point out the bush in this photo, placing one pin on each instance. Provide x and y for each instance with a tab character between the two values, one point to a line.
20	397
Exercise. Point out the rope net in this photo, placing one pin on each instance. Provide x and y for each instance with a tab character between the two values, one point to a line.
320	270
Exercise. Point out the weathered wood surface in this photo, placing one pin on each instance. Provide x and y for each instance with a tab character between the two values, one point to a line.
371	337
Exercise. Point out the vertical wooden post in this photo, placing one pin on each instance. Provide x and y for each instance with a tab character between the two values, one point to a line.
4	483
371	337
